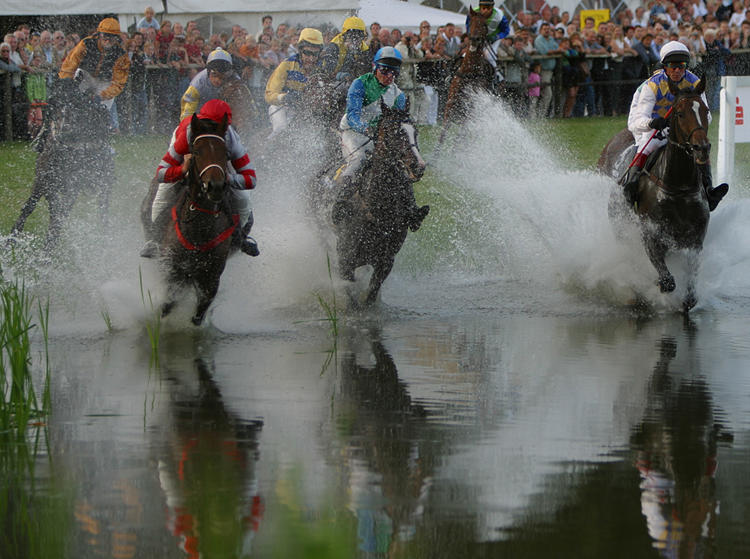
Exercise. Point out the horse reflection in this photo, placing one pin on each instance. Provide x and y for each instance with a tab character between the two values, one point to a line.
207	471
676	448
388	456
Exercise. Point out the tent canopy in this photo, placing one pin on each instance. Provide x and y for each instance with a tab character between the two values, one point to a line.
405	15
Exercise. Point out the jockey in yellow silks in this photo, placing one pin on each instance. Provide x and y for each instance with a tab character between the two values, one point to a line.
347	51
648	111
290	77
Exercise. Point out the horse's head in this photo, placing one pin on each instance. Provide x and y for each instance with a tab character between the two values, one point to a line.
396	138
688	123
207	176
477	31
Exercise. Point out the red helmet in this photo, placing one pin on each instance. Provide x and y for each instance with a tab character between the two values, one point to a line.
215	109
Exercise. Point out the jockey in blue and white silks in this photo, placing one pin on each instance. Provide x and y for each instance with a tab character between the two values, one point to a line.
648	113
207	83
363	107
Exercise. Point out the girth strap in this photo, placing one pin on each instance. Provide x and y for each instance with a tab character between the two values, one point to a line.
213	243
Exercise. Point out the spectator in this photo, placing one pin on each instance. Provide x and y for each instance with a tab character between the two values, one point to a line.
452	42
147	21
534	91
516	76
407	80
266	28
18	98
49	59
384	37
546	45
714	66
572	62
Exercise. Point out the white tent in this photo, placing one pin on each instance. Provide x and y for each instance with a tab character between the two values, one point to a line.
405	15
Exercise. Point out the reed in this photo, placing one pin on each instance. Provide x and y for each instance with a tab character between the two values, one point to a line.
153	322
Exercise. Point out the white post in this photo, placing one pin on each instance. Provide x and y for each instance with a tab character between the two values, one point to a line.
725	155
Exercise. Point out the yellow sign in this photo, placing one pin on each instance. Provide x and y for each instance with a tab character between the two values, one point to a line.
598	16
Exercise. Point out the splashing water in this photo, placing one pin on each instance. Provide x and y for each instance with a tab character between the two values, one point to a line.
525	236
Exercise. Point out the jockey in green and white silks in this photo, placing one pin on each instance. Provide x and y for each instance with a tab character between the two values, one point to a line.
648	113
498	27
363	107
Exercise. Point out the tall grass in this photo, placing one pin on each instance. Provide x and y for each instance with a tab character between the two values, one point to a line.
153	323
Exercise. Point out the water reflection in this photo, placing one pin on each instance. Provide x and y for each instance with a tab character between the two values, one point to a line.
388	456
207	469
676	449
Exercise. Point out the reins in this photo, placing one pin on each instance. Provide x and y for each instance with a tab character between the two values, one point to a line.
207	167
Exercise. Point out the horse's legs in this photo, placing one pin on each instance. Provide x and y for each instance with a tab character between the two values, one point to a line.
171	298
206	292
657	251
59	209
693	264
28	209
380	271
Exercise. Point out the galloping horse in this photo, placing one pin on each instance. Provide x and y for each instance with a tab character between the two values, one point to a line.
474	73
75	156
371	227
198	239
671	203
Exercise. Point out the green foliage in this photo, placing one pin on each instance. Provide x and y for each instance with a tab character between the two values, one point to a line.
153	322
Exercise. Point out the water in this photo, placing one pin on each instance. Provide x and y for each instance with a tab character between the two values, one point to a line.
502	400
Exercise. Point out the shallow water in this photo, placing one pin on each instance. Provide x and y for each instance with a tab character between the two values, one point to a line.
502	399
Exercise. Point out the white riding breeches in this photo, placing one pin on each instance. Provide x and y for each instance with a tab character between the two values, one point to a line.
279	118
355	148
653	145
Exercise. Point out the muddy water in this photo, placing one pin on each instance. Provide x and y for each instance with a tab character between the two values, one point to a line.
501	400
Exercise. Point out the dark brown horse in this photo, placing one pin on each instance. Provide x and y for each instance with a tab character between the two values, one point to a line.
75	156
245	114
474	74
197	240
372	227
671	204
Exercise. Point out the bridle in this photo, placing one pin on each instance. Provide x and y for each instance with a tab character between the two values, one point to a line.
200	172
685	145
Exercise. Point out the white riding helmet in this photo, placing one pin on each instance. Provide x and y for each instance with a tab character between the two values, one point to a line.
219	60
674	51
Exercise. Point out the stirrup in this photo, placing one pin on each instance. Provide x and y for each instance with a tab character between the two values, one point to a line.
249	246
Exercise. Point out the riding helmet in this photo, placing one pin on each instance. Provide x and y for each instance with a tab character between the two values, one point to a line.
215	109
674	51
353	23
387	56
219	60
109	25
310	36
486	2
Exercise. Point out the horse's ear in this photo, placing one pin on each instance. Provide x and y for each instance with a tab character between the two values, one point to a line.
194	122
224	124
701	87
383	107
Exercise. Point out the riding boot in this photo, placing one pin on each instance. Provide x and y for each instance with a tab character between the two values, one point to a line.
151	248
714	194
629	180
248	245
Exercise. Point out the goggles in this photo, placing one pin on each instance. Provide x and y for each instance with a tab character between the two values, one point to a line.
388	70
681	65
310	52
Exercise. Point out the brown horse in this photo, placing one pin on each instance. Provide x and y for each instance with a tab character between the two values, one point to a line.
671	204
245	114
197	240
371	226
474	73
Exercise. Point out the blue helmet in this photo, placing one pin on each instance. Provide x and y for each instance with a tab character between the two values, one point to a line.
388	56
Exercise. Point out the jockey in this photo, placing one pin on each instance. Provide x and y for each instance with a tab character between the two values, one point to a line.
497	28
648	111
101	56
290	78
175	164
346	51
362	114
207	83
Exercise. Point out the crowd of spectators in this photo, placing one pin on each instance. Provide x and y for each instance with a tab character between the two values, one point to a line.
549	64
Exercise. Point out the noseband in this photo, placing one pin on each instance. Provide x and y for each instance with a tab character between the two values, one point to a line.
209	166
686	145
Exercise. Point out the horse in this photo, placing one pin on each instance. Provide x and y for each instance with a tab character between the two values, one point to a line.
245	114
75	155
671	207
474	73
198	239
371	225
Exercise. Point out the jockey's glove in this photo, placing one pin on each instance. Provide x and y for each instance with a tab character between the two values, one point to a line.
658	123
291	97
